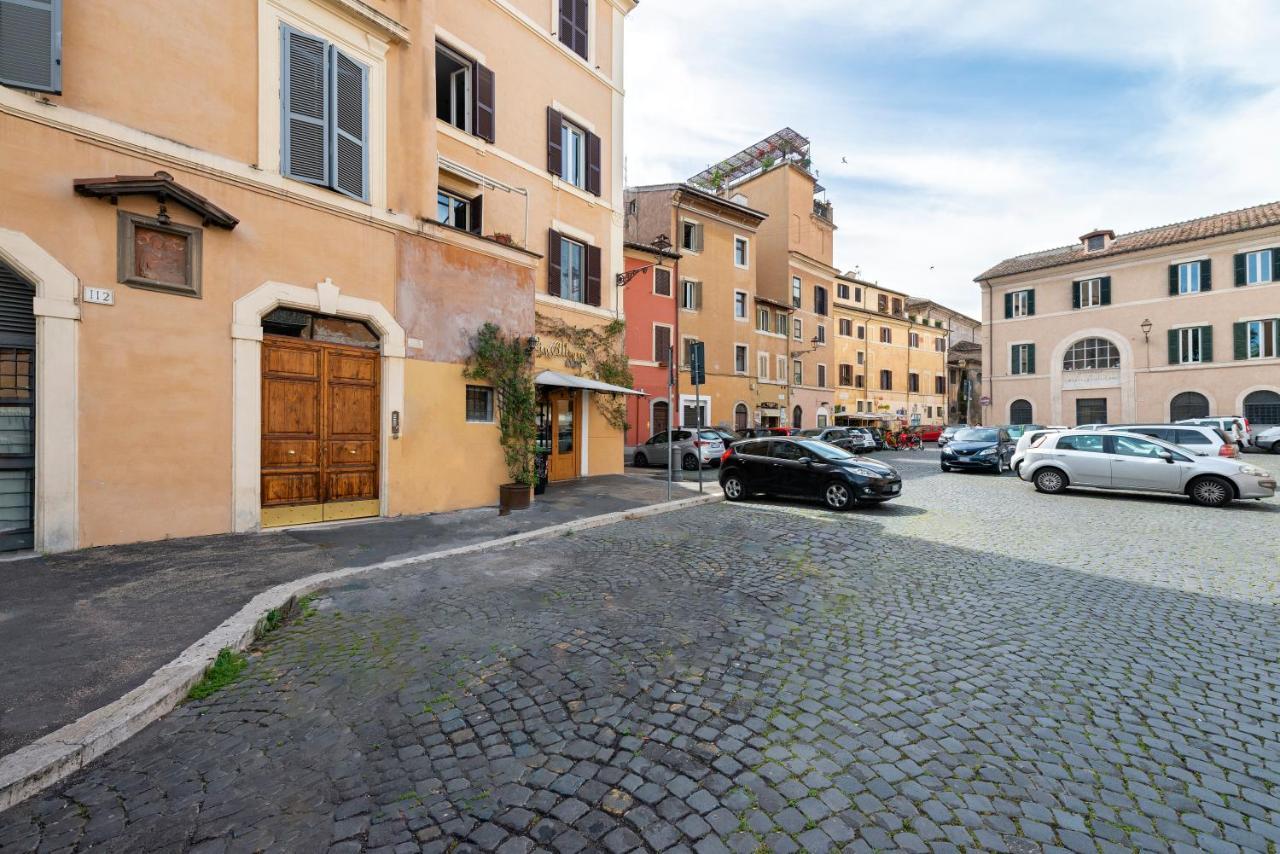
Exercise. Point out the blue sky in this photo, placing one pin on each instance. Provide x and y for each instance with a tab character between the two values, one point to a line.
972	130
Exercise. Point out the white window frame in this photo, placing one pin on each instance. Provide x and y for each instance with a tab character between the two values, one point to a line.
1020	303
1019	358
468	67
573	158
1262	334
740	295
1189	278
1092	290
1190	343
746	358
745	244
1253	261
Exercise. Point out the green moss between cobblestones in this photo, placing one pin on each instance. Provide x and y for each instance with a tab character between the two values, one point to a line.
226	668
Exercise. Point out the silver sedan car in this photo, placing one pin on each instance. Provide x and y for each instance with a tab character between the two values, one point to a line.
1133	462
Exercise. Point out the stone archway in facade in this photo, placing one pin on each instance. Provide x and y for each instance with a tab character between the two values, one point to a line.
246	333
56	524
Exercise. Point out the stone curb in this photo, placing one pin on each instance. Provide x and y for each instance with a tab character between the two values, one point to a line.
62	752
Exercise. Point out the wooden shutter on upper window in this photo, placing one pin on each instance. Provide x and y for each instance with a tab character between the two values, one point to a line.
305	105
593	275
555	149
350	147
553	263
593	163
485	104
31	44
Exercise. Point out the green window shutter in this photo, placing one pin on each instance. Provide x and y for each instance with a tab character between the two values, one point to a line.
350	99
1240	336
1031	358
1240	269
1206	343
305	104
1008	305
1031	303
1106	290
1206	275
1173	346
1075	294
1173	280
31	44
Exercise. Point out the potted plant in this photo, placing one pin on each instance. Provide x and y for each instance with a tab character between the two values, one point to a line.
506	362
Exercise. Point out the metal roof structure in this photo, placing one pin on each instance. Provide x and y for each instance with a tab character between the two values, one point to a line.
785	145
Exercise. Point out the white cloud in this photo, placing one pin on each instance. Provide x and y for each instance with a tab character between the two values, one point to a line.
952	190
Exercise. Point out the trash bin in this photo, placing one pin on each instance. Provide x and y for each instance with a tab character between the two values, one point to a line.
540	468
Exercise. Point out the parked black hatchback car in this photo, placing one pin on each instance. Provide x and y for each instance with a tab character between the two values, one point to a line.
985	448
806	468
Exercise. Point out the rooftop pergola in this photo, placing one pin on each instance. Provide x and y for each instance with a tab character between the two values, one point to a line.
785	145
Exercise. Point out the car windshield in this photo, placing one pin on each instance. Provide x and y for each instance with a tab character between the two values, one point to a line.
978	434
825	451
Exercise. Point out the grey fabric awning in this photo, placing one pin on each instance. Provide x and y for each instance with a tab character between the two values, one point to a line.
553	378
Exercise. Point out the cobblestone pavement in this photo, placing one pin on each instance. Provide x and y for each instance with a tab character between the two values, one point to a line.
975	666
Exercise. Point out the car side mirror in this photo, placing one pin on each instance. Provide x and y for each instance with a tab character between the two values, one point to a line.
1167	456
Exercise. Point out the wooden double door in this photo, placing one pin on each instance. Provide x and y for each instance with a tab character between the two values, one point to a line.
320	425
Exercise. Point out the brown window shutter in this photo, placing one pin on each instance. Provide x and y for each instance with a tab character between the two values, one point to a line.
555	151
485	103
553	263
593	275
593	164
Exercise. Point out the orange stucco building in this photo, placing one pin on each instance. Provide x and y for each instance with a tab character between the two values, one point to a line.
243	287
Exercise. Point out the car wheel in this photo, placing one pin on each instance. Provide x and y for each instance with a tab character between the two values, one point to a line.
837	495
641	461
734	488
689	463
946	467
1210	491
1051	481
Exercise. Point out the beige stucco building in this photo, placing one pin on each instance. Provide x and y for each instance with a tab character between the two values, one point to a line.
890	365
242	293
1169	322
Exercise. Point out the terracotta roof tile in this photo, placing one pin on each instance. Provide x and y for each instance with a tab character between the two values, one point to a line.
1260	216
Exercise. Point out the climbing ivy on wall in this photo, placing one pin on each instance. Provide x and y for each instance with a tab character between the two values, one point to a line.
606	360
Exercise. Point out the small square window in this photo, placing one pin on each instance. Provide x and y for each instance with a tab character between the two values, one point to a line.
479	404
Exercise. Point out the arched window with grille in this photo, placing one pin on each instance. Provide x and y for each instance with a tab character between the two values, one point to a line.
1020	412
1188	404
740	417
1262	407
1091	354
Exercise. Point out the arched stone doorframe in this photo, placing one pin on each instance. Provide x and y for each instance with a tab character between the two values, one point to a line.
1128	393
246	429
57	509
1248	391
1208	395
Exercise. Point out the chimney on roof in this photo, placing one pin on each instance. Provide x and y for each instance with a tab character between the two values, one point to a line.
1098	239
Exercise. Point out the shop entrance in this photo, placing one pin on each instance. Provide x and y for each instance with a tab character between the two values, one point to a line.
320	417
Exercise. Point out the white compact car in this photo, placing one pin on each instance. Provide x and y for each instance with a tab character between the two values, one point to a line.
1134	462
